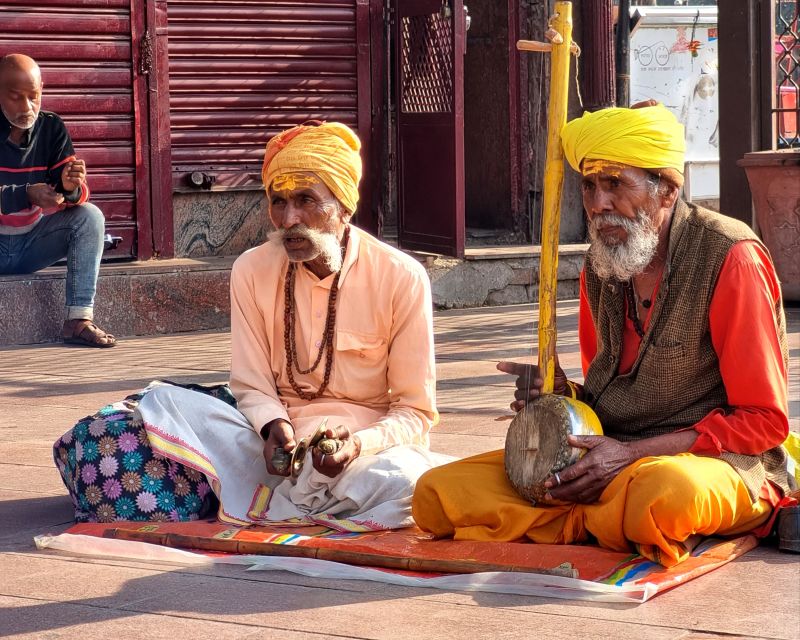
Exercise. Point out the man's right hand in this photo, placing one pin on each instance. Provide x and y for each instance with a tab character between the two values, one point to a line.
44	196
530	381
281	436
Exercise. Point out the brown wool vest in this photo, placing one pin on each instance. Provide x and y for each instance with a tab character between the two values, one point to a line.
675	380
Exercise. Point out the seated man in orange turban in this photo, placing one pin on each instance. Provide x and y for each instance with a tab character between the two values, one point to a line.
331	332
684	353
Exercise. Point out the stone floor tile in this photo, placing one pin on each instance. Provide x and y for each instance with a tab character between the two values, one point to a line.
370	615
30	619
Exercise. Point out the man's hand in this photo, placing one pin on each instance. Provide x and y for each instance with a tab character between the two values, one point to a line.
584	481
332	465
281	436
530	381
73	175
44	196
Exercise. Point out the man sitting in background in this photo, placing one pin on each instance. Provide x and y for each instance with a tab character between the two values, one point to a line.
45	215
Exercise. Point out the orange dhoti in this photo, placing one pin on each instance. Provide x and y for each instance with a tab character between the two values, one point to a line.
653	506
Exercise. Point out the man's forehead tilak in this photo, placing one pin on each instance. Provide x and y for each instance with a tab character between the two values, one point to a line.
294	181
608	167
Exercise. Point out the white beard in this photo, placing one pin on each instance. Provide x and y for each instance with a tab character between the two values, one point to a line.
623	260
24	125
324	245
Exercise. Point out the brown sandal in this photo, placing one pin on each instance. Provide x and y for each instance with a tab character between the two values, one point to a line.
86	333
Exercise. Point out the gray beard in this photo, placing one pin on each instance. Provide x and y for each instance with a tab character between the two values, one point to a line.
324	245
625	260
18	126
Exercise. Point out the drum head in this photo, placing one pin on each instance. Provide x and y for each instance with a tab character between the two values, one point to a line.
536	444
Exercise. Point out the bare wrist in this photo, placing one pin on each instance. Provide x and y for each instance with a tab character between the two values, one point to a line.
267	428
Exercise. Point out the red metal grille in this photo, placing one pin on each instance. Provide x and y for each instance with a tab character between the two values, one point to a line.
426	50
787	74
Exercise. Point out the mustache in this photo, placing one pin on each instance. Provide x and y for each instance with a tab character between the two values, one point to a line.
297	232
606	220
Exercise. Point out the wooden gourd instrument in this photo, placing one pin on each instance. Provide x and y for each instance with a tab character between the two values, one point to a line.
536	442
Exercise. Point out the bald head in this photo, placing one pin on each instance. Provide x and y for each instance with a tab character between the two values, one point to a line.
18	63
20	89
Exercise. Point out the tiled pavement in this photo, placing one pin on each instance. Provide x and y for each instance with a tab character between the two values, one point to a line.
45	389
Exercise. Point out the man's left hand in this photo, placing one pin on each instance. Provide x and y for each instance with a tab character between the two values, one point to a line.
584	481
332	465
73	175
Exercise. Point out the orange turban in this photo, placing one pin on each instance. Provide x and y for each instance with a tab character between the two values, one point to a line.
329	150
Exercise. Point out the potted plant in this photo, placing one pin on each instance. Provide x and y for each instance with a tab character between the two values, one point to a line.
774	178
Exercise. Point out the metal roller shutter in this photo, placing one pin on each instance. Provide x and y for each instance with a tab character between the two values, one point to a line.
84	50
241	71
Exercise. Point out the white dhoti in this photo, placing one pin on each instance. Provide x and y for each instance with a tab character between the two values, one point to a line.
372	493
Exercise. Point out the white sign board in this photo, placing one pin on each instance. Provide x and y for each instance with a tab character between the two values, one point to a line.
674	60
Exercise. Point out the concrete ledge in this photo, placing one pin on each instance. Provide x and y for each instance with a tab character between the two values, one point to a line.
534	251
132	268
500	275
134	298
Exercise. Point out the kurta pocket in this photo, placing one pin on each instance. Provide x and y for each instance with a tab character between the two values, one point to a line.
362	360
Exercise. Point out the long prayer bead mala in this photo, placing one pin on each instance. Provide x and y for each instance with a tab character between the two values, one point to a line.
633	312
326	345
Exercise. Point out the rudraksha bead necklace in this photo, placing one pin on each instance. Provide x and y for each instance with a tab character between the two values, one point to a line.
326	346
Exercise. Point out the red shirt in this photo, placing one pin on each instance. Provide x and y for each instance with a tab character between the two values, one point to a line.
744	332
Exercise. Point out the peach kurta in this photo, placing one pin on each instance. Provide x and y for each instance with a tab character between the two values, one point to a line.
382	384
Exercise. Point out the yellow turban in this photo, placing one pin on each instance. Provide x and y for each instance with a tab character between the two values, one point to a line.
329	150
649	138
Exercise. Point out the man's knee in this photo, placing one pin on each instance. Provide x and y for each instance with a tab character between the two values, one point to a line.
667	478
428	482
672	494
167	395
426	507
88	216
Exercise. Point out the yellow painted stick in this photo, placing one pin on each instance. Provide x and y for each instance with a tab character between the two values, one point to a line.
553	182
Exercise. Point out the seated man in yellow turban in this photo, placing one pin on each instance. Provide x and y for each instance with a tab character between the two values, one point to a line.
684	354
330	329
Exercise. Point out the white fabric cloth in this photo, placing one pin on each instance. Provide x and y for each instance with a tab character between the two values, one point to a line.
373	492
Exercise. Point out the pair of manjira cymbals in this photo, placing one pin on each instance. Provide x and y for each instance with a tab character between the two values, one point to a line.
293	462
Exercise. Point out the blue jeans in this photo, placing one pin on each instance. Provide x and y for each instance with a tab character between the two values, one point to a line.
75	234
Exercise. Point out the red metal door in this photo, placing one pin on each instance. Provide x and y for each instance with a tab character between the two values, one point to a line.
84	48
430	37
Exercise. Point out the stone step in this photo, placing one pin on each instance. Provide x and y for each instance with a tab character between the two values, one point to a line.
500	275
133	298
184	294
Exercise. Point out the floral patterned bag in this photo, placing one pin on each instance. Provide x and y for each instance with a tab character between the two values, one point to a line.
112	474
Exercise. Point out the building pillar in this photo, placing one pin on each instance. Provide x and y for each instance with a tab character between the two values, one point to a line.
740	120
